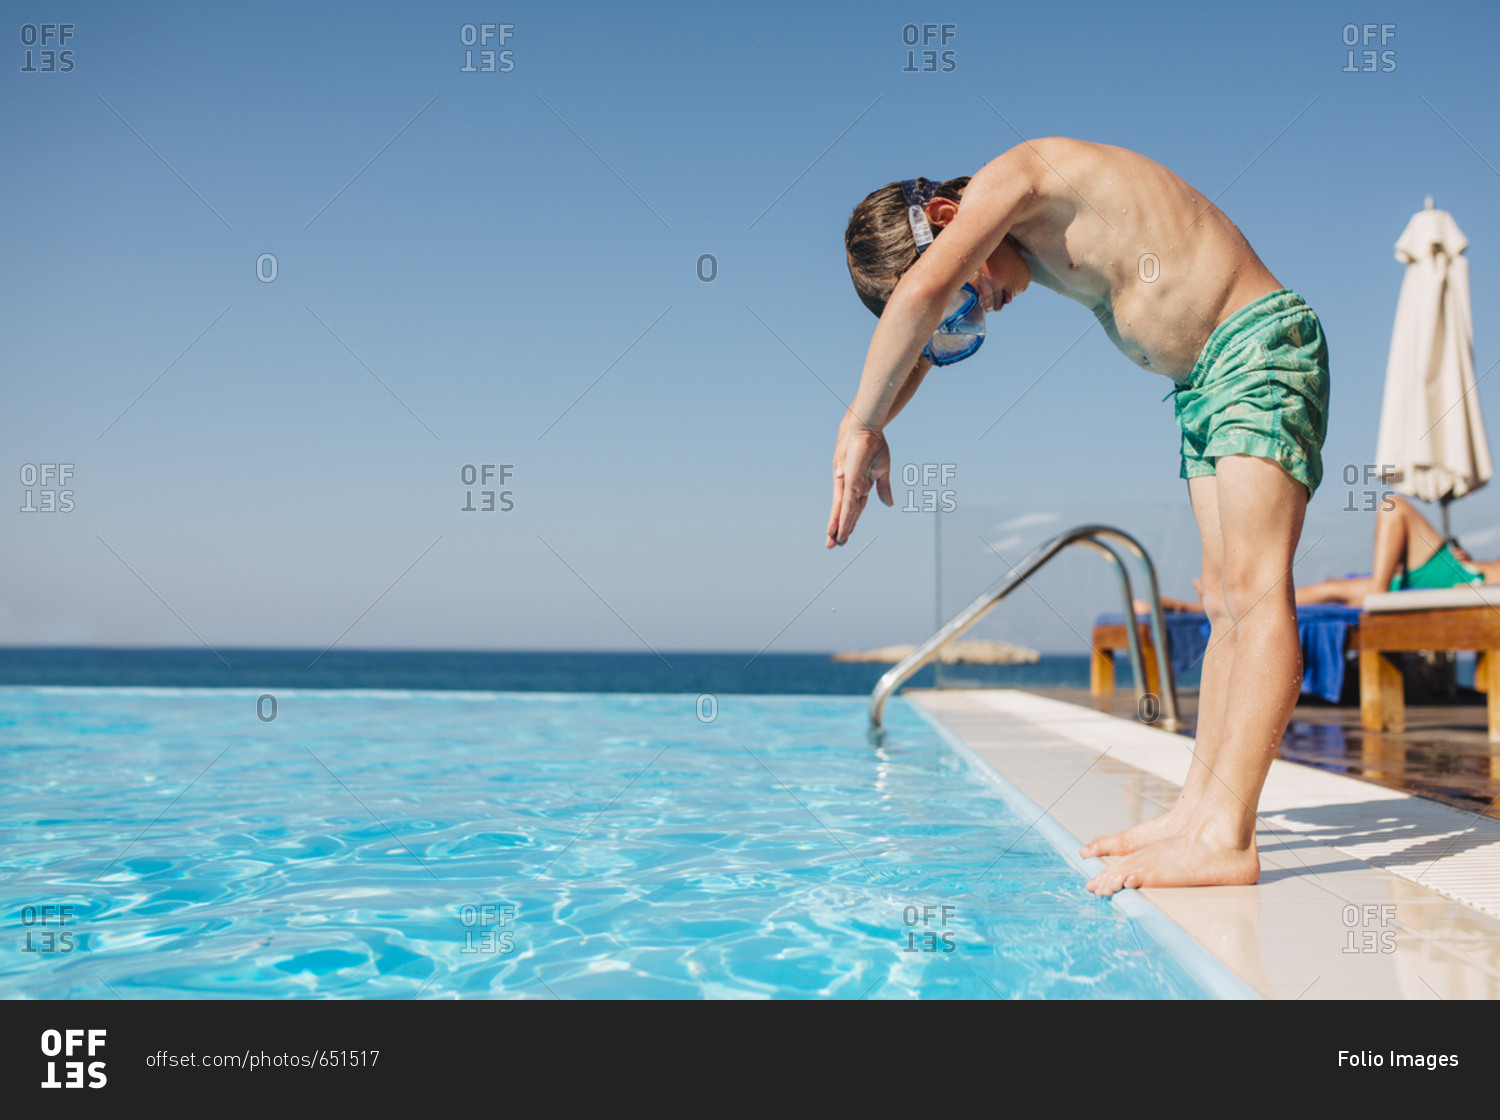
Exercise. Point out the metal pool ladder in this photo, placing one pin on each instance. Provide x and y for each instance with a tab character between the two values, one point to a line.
1087	536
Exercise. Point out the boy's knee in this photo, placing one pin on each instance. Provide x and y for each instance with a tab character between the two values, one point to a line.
1244	585
1214	604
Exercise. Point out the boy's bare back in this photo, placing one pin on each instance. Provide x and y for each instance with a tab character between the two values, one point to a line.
1154	258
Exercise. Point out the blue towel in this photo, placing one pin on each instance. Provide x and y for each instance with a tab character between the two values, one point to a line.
1187	636
1321	629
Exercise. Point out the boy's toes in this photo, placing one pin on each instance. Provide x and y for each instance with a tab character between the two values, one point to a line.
1099	846
1105	883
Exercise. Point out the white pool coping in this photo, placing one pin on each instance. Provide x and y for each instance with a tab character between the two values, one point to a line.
1365	892
1211	974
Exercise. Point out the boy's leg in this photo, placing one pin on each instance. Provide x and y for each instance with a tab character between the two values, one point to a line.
1260	510
1213	686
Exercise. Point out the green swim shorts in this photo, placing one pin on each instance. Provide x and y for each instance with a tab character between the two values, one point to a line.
1443	570
1260	388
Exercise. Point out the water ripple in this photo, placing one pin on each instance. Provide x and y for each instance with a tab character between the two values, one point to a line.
386	845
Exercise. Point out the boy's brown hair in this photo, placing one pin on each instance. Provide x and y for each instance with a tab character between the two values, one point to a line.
878	241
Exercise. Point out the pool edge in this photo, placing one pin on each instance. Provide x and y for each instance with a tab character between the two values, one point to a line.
1216	978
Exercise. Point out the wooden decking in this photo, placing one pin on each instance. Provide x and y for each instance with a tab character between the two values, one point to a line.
1378	633
1444	753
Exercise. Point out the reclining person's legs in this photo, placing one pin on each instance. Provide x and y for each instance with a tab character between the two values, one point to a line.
1404	541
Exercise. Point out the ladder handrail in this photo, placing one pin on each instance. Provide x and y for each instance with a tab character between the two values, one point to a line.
1088	536
1171	720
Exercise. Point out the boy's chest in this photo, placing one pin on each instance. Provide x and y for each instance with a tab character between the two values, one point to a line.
1148	320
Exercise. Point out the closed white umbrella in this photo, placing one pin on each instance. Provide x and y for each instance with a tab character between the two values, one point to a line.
1432	444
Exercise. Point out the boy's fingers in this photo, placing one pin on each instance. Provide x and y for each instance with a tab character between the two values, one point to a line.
854	504
860	474
836	514
838	491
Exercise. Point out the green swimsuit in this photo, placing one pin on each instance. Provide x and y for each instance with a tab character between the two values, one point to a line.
1260	388
1442	571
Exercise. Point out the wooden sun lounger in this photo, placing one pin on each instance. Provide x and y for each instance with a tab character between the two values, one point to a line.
1459	618
1110	637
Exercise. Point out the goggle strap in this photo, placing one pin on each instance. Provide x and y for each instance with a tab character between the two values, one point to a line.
916	213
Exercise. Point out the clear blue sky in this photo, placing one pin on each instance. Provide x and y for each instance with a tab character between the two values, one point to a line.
489	266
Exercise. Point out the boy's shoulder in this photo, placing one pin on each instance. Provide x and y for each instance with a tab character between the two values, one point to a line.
1048	165
1053	151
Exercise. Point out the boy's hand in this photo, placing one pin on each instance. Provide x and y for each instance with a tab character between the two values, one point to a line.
861	463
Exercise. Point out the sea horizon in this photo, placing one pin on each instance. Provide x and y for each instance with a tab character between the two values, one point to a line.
499	670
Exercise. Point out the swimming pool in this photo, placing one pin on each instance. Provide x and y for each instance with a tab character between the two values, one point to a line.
392	845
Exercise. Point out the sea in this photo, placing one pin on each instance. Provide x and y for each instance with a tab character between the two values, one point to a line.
742	673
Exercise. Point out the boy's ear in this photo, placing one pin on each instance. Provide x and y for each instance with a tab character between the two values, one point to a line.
940	212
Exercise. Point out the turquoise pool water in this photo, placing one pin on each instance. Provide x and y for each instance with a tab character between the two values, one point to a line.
396	845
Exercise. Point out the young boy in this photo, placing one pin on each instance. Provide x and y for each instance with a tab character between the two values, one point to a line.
1179	290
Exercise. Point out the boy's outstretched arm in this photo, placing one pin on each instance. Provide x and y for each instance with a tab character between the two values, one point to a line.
1003	192
881	476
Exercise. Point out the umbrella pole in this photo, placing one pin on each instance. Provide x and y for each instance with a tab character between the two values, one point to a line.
1446	663
938	588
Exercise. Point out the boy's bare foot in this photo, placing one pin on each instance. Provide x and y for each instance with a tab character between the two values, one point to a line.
1189	859
1136	837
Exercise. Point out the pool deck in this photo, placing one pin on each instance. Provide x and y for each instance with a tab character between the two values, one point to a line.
1366	892
1444	753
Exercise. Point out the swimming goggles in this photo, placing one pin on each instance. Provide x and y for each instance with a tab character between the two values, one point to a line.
961	331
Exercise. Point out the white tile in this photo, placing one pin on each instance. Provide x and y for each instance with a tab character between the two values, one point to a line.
1328	842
